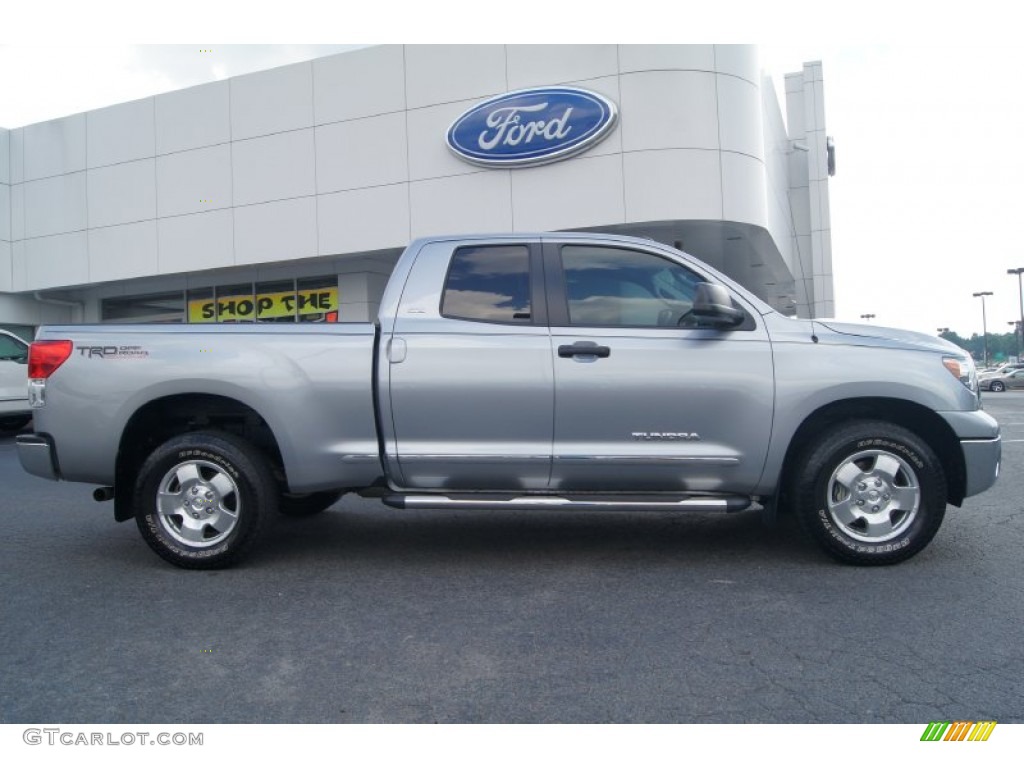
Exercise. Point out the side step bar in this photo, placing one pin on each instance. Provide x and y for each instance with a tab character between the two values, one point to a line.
621	503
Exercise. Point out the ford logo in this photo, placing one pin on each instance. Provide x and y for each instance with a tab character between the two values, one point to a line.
531	127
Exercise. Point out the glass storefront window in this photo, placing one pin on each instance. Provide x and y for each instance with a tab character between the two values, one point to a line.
201	308
317	299
236	304
275	302
154	308
308	300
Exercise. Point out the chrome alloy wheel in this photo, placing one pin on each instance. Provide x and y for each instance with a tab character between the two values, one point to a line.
198	503
873	496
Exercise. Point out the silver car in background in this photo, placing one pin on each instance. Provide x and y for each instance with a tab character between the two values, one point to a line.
14	409
1007	377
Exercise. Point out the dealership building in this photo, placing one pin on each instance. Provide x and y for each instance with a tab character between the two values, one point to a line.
287	195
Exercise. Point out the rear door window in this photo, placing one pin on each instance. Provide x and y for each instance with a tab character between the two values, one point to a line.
489	283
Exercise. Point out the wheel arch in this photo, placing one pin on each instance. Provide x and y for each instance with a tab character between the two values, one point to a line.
165	417
922	421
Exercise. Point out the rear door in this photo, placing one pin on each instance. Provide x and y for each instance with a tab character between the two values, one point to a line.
642	401
468	370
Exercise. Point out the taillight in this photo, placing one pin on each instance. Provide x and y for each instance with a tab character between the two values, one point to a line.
45	357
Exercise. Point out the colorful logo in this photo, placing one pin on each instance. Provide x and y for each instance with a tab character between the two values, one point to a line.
959	731
538	125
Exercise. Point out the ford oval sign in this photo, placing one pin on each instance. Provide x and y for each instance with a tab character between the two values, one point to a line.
539	125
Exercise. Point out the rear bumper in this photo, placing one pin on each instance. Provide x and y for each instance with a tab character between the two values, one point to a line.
36	454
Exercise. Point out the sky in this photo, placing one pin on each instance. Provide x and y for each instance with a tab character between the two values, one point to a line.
927	116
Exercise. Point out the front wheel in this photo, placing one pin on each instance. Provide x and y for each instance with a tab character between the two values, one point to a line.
202	498
307	504
998	386
870	493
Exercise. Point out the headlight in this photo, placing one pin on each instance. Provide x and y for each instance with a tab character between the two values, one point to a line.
964	370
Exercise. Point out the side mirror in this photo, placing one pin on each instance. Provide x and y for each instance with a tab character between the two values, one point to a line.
712	306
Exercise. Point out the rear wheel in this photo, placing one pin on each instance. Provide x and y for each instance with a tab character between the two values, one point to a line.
13	423
870	493
201	499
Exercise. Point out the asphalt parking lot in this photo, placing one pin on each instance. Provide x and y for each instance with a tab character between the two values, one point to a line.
366	614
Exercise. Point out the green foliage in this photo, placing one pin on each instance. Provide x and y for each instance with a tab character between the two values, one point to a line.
1000	346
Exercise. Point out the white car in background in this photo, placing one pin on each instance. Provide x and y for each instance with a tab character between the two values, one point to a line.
14	410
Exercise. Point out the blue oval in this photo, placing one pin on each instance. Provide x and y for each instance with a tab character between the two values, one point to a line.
538	125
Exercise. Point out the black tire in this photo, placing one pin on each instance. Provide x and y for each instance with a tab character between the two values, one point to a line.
306	504
869	493
217	480
13	423
998	386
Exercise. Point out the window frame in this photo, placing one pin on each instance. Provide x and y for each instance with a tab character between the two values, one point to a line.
536	276
558	294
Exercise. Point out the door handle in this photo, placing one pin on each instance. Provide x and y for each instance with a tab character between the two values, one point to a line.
585	348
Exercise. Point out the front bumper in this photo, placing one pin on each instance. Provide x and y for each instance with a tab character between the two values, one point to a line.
982	447
981	464
36	454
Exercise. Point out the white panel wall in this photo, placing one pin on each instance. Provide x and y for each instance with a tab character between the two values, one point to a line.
197	241
6	267
430	158
5	212
276	231
17	211
479	202
342	161
193	117
739	60
639	58
668	184
17	155
364	220
55	205
122	193
347	154
744	189
128	250
275	167
435	74
662	110
56	260
535	65
194	180
54	147
121	133
5	156
584	193
739	117
344	90
268	102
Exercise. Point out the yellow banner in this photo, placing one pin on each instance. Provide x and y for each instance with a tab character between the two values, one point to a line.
264	306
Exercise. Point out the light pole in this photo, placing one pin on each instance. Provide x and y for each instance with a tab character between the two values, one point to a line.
1020	292
869	318
1016	327
984	323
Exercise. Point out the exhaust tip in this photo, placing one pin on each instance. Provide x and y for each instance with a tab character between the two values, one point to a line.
106	493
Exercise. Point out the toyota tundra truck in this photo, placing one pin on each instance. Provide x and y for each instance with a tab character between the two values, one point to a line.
549	371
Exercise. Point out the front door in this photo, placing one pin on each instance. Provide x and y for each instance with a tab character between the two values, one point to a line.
643	400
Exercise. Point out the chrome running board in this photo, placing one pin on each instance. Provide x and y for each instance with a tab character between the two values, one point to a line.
652	503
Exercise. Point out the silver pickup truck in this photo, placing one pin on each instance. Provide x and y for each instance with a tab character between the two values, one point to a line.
551	371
